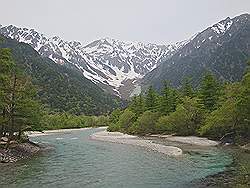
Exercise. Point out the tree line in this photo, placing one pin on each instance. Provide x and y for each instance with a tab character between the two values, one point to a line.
21	109
213	110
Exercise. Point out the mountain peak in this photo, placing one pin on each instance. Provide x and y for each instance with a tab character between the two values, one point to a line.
222	26
107	62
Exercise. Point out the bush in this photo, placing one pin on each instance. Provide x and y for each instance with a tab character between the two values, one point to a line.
102	121
231	115
69	121
164	125
113	127
115	115
145	124
220	121
127	118
186	120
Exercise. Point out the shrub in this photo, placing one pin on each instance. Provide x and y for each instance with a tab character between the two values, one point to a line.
145	124
164	125
221	121
113	127
186	120
126	120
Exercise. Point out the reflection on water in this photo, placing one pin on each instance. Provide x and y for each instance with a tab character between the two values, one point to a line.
77	161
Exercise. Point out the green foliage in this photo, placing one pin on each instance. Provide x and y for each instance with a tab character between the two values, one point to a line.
213	112
115	115
126	119
70	121
209	92
221	121
187	89
113	127
137	105
186	120
243	106
145	124
233	113
19	109
168	100
61	88
151	99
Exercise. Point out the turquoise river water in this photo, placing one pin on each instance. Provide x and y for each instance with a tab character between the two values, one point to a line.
77	161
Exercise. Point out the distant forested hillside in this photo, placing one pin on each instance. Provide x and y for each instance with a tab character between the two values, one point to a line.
221	49
60	88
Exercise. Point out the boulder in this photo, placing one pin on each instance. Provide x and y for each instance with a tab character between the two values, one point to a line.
13	142
5	139
3	143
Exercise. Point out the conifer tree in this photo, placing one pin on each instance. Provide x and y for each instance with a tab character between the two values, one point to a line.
187	89
209	92
151	99
168	99
19	110
243	104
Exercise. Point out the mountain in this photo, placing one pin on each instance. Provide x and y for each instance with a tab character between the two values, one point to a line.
221	49
112	64
123	68
61	88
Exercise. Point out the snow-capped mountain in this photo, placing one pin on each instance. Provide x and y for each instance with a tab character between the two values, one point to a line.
107	62
119	67
222	49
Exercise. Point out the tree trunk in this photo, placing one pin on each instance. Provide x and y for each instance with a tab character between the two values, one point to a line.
3	131
12	111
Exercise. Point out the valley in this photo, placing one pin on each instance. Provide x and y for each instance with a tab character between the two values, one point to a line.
117	113
117	66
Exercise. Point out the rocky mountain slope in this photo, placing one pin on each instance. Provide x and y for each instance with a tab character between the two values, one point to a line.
122	68
221	49
60	88
112	64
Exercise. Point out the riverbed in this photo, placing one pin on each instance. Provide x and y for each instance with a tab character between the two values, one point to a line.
75	160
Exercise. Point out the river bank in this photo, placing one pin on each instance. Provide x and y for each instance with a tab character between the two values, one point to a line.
228	178
237	174
120	138
47	132
19	151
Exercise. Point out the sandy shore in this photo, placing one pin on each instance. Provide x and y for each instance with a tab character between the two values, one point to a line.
192	140
120	138
48	132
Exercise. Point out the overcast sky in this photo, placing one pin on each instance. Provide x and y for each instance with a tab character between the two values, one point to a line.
154	21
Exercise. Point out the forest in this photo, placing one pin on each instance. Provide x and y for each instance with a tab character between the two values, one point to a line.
215	109
21	110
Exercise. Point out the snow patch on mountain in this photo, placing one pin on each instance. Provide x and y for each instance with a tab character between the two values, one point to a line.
222	26
106	61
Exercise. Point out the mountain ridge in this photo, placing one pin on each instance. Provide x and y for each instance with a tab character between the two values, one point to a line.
107	62
60	88
121	68
221	49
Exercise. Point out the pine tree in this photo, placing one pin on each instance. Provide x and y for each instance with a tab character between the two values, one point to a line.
6	67
243	104
151	99
187	89
137	105
19	109
168	100
209	92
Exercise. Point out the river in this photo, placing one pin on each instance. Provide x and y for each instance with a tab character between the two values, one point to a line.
77	161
